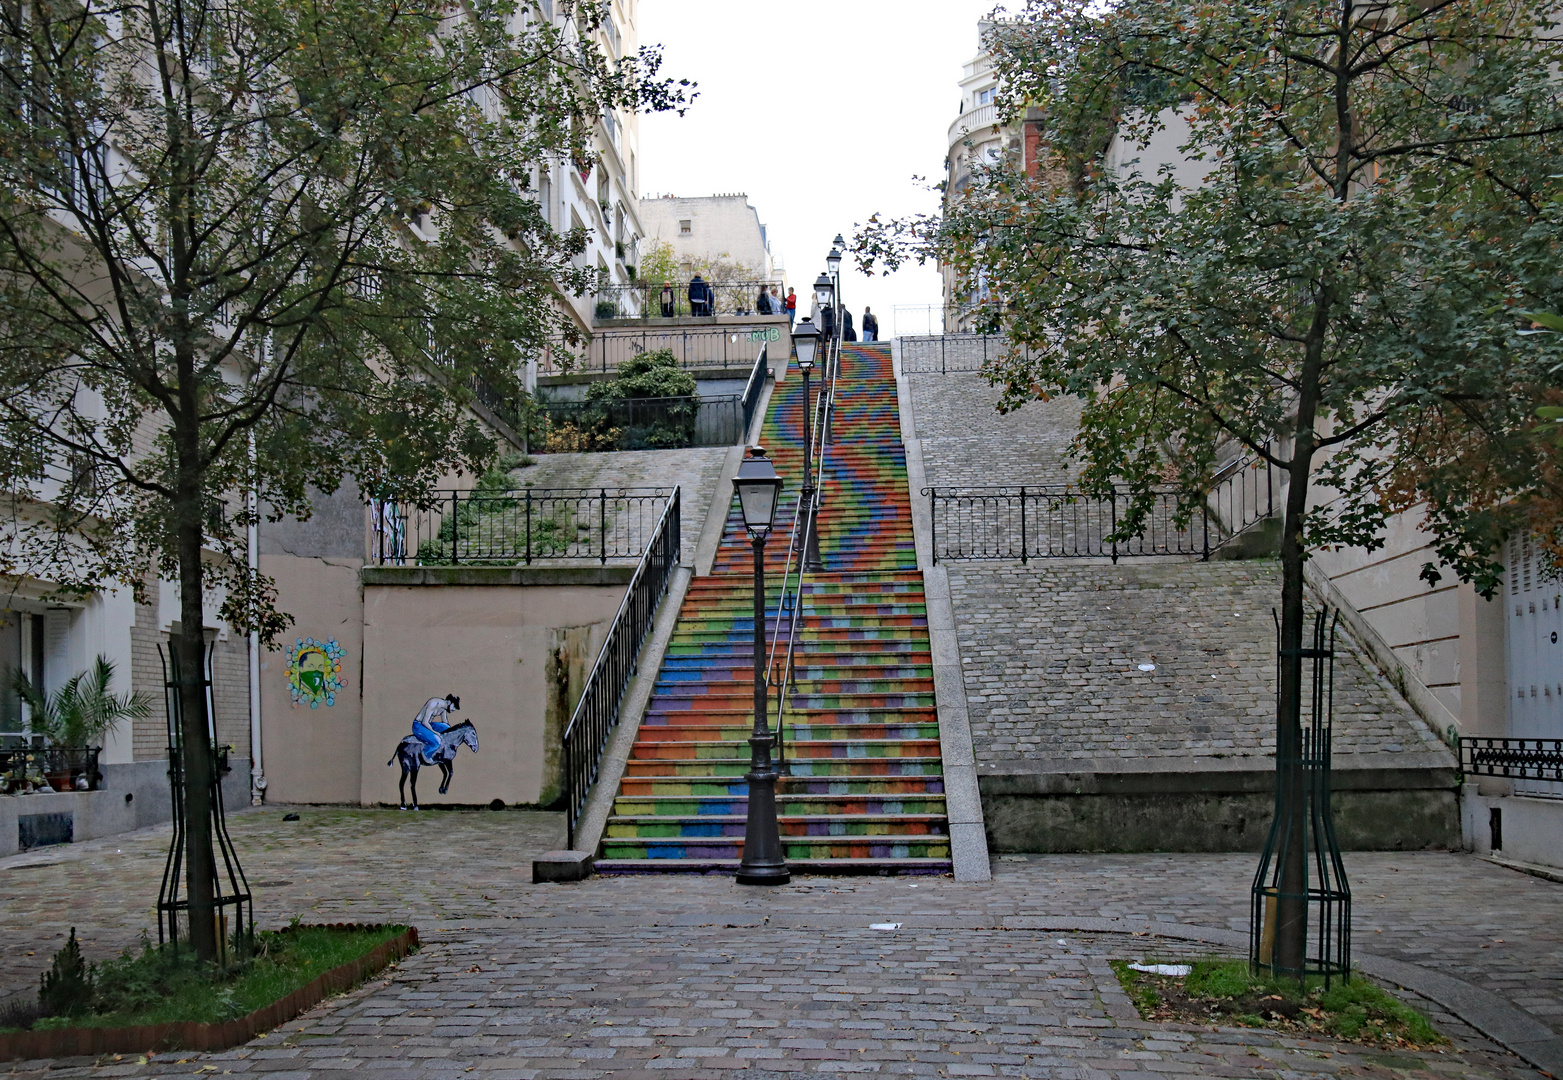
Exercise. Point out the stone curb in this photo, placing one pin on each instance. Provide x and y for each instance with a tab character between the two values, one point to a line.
962	800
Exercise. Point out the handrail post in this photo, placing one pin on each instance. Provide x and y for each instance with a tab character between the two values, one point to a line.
1204	513
529	526
602	523
1022	525
1113	496
455	525
933	523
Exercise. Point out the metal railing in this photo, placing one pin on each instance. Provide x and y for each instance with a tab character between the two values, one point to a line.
780	673
597	712
753	389
927	354
698	347
517	526
646	300
669	423
1059	521
1516	759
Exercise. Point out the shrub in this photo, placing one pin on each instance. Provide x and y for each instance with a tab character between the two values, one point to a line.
67	985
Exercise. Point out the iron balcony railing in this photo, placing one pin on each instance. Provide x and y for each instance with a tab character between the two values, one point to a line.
698	347
518	526
1516	759
597	712
1059	521
646	300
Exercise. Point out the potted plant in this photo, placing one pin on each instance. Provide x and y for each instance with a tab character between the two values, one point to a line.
74	720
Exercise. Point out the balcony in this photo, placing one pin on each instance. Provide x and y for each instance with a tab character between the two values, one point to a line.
973	121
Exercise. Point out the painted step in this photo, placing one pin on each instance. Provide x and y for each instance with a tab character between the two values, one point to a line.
729	867
793	847
657	827
699	805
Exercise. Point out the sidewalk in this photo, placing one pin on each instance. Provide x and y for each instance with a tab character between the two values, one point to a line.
639	976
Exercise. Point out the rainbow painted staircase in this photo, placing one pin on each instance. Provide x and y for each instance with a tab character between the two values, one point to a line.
866	790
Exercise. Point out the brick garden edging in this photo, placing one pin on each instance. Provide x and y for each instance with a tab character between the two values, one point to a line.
194	1035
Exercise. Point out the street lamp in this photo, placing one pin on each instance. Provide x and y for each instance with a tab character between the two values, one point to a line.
806	340
759	488
833	261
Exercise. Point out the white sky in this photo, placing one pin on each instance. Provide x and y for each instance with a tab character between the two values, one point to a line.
822	111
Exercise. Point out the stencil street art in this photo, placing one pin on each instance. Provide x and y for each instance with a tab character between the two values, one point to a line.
434	741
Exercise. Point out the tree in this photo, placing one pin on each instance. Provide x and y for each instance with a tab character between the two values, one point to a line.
1337	294
258	247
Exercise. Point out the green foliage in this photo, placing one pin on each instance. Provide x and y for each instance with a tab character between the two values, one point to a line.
67	986
295	281
657	265
1219	978
164	984
1328	275
84	710
651	374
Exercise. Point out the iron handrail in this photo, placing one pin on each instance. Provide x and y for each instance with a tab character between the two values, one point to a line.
597	712
810	519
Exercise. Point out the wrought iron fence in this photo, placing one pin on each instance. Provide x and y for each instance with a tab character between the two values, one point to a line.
699	347
944	353
649	300
668	423
1058	521
1516	759
517	526
597	712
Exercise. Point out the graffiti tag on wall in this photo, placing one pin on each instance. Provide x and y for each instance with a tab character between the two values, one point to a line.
314	670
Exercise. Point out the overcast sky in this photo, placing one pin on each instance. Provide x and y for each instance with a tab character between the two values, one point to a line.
822	111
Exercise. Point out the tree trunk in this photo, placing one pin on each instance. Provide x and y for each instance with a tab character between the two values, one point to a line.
1291	922
195	738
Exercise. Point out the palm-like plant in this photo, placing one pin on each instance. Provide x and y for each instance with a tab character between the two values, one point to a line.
85	709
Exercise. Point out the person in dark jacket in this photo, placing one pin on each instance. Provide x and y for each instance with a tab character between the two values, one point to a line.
667	299
699	296
870	326
827	321
762	302
847	333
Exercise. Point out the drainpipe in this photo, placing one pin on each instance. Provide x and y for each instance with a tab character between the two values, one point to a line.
257	773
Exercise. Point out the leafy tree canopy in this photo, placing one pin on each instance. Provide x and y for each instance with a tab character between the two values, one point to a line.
1332	280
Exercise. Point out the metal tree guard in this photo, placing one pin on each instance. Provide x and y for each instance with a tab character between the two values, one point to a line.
173	903
1325	891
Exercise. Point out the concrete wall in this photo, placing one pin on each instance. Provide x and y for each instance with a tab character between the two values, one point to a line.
514	645
134	795
310	753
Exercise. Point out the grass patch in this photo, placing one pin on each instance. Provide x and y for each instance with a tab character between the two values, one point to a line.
160	985
1227	991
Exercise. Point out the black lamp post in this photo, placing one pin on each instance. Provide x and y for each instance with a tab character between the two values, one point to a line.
805	340
759	488
833	264
825	294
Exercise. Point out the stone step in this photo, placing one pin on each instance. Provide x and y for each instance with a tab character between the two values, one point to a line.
787	804
688	750
729	867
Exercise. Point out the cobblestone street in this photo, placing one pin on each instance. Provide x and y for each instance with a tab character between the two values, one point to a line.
689	977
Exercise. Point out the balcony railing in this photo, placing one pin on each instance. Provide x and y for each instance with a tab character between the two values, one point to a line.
1516	759
971	121
694	348
647	300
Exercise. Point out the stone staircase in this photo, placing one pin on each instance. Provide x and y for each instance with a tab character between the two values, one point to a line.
865	789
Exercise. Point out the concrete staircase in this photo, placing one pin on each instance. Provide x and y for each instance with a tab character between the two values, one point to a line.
865	792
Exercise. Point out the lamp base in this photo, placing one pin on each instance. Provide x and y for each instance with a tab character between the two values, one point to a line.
777	874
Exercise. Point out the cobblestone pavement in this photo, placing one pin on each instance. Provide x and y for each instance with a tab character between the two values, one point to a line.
691	977
696	469
1051	655
966	442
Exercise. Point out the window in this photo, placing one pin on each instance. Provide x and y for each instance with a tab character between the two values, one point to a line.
985	97
21	649
685	227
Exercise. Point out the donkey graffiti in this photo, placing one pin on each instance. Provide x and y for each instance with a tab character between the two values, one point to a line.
413	754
